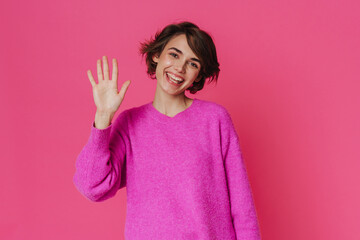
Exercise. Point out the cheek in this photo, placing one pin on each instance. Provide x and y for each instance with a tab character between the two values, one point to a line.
195	74
168	61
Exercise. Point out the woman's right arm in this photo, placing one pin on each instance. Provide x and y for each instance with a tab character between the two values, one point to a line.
100	166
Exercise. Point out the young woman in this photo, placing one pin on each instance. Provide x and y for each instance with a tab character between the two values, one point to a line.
178	157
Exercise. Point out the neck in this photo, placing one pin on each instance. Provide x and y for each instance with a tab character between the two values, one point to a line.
171	105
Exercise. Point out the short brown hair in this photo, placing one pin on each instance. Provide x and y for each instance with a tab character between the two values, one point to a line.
200	43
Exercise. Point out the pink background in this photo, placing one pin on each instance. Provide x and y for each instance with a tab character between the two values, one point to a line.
289	77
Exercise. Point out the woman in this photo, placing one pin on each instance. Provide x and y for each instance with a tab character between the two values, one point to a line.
178	157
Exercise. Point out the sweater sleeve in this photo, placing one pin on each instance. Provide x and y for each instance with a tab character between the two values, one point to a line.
242	205
101	164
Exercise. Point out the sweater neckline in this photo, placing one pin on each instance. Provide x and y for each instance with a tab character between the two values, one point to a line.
165	119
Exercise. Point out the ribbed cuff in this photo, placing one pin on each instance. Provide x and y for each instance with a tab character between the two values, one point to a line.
99	138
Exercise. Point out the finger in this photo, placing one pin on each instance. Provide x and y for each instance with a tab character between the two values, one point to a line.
99	71
91	78
124	88
106	68
115	70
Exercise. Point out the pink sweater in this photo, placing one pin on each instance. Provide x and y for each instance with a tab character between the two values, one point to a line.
185	177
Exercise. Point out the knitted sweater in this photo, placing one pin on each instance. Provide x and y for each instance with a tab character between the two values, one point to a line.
185	177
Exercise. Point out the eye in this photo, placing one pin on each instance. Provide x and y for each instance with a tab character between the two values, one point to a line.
194	65
173	54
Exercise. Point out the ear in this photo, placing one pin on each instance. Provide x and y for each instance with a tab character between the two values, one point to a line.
198	78
155	58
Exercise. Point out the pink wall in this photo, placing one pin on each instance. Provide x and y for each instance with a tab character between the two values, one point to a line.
289	77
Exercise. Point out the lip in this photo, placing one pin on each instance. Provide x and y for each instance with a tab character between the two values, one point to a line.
171	82
176	75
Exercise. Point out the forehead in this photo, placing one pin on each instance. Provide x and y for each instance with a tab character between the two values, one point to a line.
180	42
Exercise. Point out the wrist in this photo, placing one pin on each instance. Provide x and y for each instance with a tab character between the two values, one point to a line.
104	114
103	119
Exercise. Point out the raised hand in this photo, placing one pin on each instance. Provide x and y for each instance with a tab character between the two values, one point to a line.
106	96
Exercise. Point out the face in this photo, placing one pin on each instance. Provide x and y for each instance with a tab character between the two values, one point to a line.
177	66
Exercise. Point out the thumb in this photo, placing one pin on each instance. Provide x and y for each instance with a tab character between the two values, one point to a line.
124	88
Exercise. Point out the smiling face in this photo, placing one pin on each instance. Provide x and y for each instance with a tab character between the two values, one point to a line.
177	66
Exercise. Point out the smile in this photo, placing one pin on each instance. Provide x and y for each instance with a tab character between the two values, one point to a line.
172	78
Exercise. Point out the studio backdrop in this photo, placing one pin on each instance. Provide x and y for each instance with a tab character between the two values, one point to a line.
289	77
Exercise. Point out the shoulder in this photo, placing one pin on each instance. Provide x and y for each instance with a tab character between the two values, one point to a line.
127	117
214	110
135	114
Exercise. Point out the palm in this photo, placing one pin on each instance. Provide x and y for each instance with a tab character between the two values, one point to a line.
106	95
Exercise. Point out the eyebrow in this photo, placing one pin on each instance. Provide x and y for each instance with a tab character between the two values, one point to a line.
177	50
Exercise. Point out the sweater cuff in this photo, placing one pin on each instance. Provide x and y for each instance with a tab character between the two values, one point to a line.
100	138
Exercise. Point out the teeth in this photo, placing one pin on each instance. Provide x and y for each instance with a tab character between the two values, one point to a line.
174	81
174	78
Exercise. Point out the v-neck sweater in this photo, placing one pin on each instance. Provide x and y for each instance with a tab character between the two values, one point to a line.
185	176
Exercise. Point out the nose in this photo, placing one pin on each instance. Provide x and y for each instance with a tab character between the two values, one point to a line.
180	66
